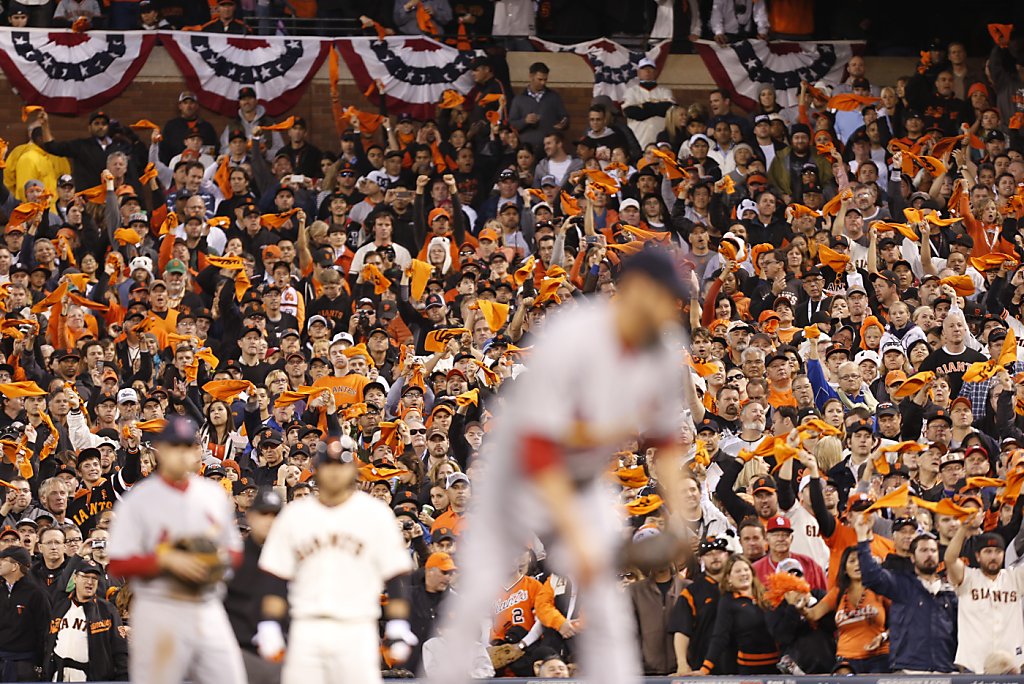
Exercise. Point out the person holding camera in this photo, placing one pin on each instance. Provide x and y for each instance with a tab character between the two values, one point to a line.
92	550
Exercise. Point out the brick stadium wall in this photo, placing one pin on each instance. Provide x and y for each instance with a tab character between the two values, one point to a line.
153	94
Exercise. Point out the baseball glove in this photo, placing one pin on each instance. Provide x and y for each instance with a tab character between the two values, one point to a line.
204	550
503	654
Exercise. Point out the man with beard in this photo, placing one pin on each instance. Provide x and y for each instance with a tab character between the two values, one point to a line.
989	615
693	618
923	617
727	403
786	170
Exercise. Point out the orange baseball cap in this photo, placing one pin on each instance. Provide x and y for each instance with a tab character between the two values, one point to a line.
895	376
488	234
438	212
441	561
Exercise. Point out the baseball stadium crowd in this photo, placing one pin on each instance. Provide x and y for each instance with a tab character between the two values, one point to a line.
855	431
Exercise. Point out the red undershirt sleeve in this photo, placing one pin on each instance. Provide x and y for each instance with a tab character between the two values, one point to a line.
539	454
135	566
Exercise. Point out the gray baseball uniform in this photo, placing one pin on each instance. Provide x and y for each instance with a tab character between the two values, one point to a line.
585	396
175	632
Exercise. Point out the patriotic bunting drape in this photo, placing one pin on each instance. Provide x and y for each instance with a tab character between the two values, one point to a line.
412	71
742	68
68	72
614	65
215	66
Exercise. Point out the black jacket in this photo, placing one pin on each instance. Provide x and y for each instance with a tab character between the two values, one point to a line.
88	158
24	615
245	593
108	650
423	612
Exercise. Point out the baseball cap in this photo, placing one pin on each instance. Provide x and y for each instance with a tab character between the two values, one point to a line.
791	566
887	409
764	483
900	523
867	355
246	91
708	424
66	181
176	266
18	554
629	202
269	435
938	414
709	544
455	477
434	300
127	395
951	458
960	400
267	501
860	426
859	501
990	540
215	471
89	567
441	561
658	266
779	522
239	486
27	521
186	95
178	430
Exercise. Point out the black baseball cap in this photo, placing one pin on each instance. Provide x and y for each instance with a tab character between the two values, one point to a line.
179	430
656	265
887	409
709	544
267	501
269	435
708	424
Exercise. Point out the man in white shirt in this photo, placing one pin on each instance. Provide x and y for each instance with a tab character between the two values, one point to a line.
646	104
990	617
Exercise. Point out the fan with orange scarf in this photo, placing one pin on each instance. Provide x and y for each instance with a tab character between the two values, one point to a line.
64	331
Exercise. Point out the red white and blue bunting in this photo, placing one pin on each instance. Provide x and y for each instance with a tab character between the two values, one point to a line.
215	66
68	72
614	65
743	68
413	72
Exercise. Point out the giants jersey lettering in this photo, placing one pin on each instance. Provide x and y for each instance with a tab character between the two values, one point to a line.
990	616
807	539
514	608
337	558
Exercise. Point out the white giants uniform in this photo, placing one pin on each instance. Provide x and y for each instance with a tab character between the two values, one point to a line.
175	633
337	560
807	539
990	617
585	395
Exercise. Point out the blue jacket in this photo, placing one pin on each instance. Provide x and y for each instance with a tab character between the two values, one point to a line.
822	390
922	627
